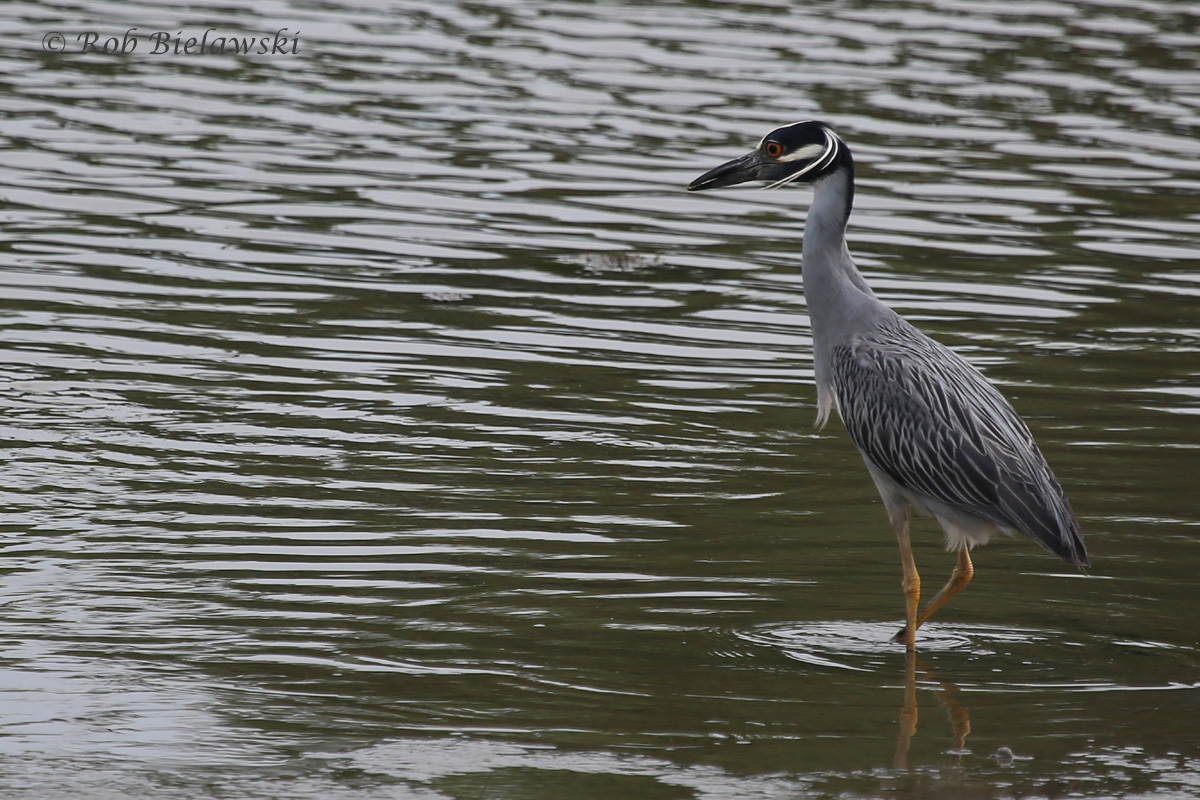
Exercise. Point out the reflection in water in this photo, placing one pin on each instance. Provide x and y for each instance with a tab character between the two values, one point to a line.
908	711
948	697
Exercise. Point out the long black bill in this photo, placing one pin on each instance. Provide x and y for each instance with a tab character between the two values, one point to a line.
747	168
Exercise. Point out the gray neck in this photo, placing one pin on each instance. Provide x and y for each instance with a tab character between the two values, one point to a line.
840	303
832	284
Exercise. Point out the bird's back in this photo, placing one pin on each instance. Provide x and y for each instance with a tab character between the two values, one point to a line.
929	421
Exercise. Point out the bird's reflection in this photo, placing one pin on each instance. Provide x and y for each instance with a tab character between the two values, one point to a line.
948	697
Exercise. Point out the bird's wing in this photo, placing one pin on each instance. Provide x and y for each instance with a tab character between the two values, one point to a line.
934	424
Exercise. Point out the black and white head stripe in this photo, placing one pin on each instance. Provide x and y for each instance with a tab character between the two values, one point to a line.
821	155
804	151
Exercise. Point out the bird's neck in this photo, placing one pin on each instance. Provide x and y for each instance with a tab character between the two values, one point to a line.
831	281
840	303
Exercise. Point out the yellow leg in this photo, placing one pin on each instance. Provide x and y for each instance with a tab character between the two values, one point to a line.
911	582
963	570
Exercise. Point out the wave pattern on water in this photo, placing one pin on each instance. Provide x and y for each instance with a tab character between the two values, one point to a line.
398	390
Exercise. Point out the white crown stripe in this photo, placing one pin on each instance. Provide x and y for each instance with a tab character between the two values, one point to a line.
808	151
828	154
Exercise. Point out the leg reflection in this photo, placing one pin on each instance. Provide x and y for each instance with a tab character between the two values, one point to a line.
908	711
948	697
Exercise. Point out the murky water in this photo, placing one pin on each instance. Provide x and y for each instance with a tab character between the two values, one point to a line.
384	419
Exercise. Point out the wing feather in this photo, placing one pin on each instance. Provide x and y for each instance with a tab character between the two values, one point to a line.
931	422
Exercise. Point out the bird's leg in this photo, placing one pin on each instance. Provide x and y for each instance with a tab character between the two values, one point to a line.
959	578
911	581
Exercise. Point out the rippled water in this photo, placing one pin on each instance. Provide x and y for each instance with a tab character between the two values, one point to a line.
385	420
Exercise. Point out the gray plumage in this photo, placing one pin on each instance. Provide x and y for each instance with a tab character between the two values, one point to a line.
934	433
937	435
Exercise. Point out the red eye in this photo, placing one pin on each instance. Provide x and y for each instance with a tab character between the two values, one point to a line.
773	149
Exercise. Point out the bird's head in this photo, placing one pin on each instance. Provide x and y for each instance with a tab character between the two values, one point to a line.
807	151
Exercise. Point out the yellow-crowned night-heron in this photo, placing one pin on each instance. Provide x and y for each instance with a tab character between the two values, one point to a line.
936	436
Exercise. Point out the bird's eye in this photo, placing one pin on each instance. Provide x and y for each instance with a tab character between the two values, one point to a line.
773	149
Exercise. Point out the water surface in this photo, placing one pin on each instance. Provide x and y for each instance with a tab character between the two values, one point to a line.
385	420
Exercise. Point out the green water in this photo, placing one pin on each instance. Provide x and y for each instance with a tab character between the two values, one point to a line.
386	421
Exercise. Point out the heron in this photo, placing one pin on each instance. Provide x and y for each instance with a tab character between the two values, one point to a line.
937	437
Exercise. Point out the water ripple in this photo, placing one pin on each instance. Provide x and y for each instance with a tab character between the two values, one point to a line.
399	390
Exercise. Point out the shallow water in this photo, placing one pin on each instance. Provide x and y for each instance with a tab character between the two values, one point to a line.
385	420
